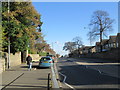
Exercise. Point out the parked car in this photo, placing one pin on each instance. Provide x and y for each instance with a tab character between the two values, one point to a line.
45	62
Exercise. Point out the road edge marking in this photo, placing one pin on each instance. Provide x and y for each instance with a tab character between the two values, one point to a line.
65	82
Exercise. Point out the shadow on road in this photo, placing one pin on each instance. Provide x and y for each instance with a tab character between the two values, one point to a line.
35	66
80	75
21	87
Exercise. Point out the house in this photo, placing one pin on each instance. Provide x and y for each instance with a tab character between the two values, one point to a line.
93	49
85	50
97	46
118	41
112	41
81	50
105	44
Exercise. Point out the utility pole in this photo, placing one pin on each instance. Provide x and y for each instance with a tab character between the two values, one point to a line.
8	39
52	46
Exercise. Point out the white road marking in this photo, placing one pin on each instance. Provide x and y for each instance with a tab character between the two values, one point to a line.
70	86
87	67
85	63
65	82
64	77
99	71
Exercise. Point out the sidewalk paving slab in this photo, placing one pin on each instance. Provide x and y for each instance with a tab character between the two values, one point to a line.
20	77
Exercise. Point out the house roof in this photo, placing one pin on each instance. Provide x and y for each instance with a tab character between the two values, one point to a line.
97	43
118	34
105	41
92	46
112	38
86	47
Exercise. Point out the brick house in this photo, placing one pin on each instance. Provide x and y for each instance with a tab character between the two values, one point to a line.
105	44
85	50
118	41
112	42
97	46
93	49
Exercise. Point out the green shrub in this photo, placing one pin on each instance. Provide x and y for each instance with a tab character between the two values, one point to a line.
42	53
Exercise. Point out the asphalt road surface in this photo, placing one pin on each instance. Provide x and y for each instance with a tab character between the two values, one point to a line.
80	76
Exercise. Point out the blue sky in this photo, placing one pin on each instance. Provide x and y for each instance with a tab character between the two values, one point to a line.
62	21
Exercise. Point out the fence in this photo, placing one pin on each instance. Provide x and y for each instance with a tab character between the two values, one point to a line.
14	60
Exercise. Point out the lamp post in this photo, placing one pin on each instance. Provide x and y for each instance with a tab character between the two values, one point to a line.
8	39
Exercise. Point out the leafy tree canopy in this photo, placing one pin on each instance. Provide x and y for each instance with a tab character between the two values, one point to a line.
19	24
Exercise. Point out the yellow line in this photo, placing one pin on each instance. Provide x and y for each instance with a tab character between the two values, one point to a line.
84	63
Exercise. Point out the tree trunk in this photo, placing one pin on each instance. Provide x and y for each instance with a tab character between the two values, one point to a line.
23	56
100	41
78	51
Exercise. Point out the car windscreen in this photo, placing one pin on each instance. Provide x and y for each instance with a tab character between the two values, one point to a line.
49	55
45	59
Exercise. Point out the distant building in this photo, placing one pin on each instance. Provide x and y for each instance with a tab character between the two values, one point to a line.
118	41
112	42
97	46
105	45
85	50
92	49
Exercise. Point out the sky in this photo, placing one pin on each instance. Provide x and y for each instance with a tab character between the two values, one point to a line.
62	21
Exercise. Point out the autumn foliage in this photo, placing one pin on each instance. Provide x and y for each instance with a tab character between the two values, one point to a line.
21	25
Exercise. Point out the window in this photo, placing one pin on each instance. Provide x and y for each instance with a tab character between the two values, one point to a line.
45	58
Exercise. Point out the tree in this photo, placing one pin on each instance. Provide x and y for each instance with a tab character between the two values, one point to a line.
57	55
78	43
0	30
100	23
69	46
20	25
42	46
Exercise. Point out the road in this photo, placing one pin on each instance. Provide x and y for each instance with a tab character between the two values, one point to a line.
82	74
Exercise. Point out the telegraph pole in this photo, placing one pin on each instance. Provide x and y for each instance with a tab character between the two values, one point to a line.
8	39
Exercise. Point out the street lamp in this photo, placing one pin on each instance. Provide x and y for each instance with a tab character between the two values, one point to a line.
8	38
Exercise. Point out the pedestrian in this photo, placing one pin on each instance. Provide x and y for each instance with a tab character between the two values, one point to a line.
29	62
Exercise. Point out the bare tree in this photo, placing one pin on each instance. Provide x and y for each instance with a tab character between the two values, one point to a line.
78	43
69	46
100	23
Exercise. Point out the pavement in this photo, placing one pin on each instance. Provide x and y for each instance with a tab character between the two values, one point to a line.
20	77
